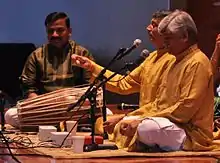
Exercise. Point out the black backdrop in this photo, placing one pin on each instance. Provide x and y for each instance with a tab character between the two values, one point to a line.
13	57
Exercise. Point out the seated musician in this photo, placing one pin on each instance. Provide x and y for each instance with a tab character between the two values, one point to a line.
49	67
149	72
181	115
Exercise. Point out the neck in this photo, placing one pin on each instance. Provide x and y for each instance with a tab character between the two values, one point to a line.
159	47
58	50
184	48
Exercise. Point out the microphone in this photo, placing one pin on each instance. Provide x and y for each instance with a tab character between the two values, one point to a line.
124	106
136	43
132	65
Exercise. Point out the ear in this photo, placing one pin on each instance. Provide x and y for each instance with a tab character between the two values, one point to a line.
185	37
70	32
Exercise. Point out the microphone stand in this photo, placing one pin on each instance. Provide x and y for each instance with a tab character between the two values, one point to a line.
104	114
91	95
92	99
2	110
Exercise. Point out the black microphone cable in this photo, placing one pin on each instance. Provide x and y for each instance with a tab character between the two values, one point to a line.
9	149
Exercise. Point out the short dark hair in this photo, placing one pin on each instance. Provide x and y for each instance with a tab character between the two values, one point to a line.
52	17
161	14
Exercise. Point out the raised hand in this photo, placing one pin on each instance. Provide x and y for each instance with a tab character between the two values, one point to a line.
83	62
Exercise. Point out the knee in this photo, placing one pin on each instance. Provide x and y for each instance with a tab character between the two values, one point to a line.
10	115
148	126
148	131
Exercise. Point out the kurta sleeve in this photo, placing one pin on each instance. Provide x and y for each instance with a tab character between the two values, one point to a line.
28	77
121	84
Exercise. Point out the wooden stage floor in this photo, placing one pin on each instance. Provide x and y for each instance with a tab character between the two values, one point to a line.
38	159
29	156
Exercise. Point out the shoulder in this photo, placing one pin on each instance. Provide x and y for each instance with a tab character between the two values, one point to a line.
200	58
80	50
38	53
165	57
199	61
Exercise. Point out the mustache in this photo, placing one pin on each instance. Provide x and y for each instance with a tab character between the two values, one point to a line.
55	38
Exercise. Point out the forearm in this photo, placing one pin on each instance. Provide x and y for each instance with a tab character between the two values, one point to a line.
28	87
119	83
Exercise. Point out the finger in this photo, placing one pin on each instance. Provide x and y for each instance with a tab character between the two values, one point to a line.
81	59
123	128
111	130
105	128
106	123
128	131
108	129
123	131
75	59
218	37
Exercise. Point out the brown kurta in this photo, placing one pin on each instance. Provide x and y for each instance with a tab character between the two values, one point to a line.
46	71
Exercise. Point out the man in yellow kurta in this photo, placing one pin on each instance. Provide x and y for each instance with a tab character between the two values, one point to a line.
184	100
149	72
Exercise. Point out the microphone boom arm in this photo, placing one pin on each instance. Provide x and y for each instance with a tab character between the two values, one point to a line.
99	77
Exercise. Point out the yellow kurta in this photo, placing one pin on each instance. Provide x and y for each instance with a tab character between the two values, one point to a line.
144	79
186	98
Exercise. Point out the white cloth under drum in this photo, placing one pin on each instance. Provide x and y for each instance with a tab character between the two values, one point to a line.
11	116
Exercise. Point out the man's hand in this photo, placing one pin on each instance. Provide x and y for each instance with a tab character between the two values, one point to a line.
82	62
31	95
129	127
109	125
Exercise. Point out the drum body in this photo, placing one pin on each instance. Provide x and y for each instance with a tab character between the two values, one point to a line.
51	108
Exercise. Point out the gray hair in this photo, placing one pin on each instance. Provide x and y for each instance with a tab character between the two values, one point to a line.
179	22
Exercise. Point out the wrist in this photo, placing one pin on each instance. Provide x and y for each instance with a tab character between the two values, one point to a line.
91	67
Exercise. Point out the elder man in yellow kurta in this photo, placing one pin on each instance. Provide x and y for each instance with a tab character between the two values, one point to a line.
185	98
